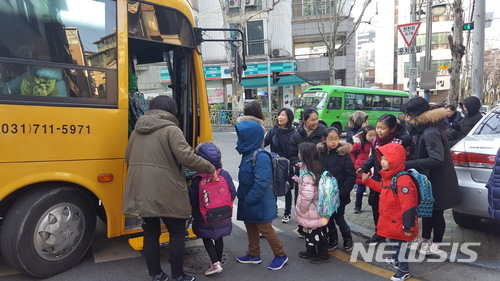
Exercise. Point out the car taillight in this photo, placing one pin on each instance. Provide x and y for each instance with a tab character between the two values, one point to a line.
473	160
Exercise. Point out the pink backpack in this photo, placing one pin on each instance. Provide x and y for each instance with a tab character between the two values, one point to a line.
214	198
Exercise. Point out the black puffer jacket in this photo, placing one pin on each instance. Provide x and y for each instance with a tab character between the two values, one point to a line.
339	163
432	157
473	115
279	138
301	136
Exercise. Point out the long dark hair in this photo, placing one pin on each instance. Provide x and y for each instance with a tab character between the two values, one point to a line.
253	109
392	122
310	158
289	115
362	135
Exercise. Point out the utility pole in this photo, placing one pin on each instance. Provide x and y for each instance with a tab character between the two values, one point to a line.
412	87
428	48
478	51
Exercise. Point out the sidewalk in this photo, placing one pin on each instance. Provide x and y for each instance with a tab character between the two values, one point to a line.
488	233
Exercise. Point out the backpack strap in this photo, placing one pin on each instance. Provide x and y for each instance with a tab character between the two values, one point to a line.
253	159
394	180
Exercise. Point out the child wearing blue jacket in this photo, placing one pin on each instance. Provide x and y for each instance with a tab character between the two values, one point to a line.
211	233
256	201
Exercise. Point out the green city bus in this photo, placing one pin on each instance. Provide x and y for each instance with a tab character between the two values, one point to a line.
336	103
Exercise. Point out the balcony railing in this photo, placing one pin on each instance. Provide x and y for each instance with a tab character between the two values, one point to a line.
257	47
312	9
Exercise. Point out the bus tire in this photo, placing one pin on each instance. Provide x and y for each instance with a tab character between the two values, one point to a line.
48	231
337	126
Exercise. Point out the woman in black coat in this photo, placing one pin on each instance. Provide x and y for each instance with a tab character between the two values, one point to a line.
278	138
432	157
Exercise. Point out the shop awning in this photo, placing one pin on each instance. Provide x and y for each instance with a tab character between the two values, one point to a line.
285	80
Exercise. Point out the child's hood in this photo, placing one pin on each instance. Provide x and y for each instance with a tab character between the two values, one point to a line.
209	151
250	136
395	155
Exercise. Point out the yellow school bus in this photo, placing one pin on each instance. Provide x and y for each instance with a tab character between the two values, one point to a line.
67	68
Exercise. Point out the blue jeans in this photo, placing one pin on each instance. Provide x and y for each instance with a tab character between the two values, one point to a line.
403	265
361	188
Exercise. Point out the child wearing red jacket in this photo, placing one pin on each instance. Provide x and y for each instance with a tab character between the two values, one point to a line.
359	154
397	208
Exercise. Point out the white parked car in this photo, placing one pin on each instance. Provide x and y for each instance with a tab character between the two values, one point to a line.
473	158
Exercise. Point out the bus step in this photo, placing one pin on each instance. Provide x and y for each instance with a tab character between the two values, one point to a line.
137	243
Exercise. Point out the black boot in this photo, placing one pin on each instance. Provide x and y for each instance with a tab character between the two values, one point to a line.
322	256
333	239
309	253
347	237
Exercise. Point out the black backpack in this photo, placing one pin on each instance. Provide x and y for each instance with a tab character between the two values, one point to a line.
281	171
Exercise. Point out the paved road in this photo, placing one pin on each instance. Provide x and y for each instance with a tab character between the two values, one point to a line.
113	259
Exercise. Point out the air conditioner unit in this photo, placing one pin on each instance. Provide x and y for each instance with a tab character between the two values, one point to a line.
250	2
280	52
233	3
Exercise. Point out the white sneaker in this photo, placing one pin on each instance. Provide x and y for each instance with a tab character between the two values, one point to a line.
435	249
286	219
215	268
425	248
416	244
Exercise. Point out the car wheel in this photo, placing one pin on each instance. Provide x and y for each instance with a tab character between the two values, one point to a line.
337	126
48	231
465	220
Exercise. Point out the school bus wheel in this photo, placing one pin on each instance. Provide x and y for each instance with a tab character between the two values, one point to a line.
48	231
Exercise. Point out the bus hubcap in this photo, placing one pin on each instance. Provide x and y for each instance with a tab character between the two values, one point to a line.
58	231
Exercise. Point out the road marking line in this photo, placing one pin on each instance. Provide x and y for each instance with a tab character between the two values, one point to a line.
364	266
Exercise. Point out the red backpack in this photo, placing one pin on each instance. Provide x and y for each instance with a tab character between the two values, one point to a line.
214	198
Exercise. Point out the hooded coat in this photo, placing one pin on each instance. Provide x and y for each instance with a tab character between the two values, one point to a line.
301	136
473	115
256	200
156	151
307	201
493	186
216	230
432	157
397	208
354	124
339	163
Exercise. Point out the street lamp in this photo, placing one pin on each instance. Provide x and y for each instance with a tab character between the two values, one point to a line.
429	77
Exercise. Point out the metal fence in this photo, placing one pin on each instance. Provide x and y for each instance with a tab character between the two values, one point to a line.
222	117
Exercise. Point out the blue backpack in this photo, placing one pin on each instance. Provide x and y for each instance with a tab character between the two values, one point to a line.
281	171
424	188
328	195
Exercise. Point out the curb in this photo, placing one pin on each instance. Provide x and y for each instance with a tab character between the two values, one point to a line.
480	263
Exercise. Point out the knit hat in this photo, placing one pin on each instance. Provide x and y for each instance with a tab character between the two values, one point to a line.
415	106
209	151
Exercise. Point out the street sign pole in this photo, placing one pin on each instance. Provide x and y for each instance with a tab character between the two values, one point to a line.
412	87
409	32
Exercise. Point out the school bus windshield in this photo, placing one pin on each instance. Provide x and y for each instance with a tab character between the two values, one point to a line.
313	99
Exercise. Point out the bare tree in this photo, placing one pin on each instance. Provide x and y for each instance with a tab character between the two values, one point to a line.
234	54
330	15
492	74
457	52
